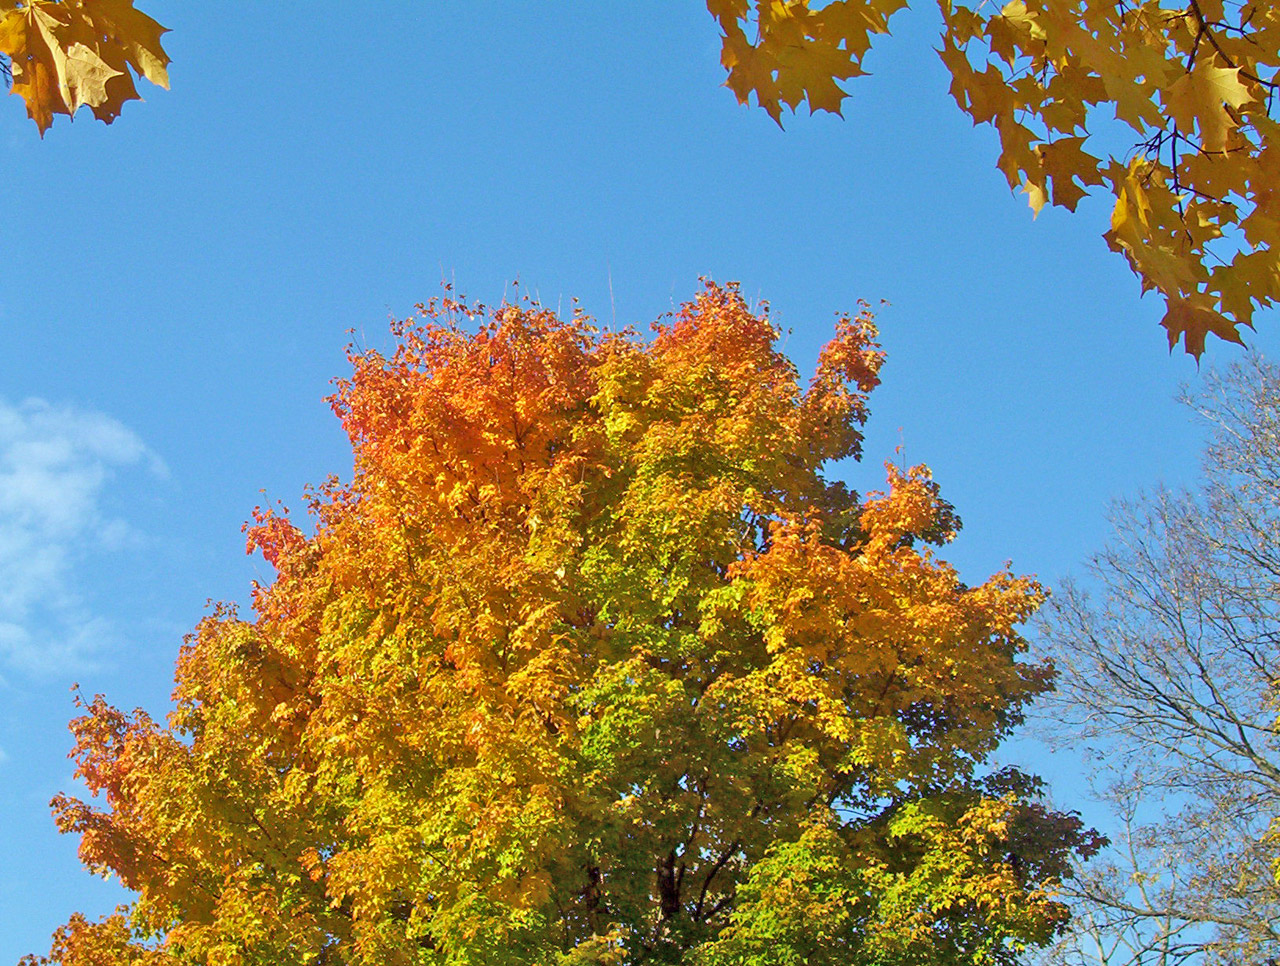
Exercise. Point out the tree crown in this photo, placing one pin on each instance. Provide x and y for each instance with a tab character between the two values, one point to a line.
588	662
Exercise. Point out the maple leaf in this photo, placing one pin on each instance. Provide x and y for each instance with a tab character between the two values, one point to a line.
1191	321
852	24
32	61
808	74
1199	100
1065	161
1037	196
803	53
79	53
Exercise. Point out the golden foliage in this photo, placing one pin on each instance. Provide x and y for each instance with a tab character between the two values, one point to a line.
1186	92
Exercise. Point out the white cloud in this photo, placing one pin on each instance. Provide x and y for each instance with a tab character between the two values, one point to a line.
55	462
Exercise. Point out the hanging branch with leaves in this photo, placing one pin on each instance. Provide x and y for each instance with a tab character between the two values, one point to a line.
1186	91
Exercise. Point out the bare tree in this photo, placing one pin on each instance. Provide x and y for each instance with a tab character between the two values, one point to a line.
1169	665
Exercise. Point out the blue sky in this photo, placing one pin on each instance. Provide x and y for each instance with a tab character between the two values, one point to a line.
178	288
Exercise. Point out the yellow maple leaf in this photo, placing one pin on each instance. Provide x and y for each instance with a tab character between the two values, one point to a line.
801	53
851	23
136	34
1065	161
35	75
79	53
1197	99
1191	321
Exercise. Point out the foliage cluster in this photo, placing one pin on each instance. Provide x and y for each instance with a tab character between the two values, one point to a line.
1181	95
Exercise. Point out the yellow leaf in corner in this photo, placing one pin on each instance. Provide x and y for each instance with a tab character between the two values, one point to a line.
79	53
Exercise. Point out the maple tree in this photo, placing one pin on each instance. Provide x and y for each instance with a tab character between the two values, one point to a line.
1178	95
588	663
67	54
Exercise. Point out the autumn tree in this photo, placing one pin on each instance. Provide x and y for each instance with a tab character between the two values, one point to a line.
1179	95
588	663
61	55
1169	672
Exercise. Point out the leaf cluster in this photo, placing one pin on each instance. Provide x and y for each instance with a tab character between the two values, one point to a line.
1179	96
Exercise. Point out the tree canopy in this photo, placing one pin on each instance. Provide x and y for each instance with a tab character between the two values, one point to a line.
1179	97
588	662
67	54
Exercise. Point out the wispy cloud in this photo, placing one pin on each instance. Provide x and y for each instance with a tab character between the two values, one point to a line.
55	463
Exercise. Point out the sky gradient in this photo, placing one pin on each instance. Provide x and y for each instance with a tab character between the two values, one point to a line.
180	287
